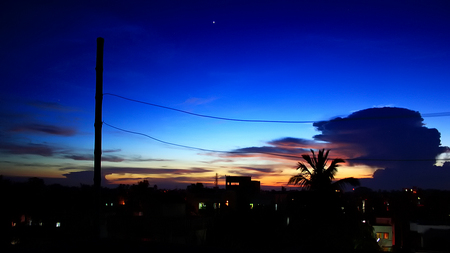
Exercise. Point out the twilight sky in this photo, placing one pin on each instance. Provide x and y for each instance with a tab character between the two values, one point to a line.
366	79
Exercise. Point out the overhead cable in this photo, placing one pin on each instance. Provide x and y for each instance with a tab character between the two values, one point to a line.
439	114
259	152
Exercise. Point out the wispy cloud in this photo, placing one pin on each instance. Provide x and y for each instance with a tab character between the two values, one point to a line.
44	129
260	170
111	150
286	148
139	159
111	158
51	106
105	158
199	101
145	171
31	149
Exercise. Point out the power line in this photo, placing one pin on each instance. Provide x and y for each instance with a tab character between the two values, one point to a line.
191	147
265	153
214	117
165	142
439	114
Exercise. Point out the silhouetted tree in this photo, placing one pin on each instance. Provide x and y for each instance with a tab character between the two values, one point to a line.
320	178
324	214
143	184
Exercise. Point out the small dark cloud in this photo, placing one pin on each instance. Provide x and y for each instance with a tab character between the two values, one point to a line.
80	157
199	101
112	158
272	151
219	161
44	129
260	170
290	142
133	170
111	150
27	149
105	158
138	159
51	106
76	168
285	148
243	173
30	163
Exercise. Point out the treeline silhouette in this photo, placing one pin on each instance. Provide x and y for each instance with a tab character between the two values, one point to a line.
50	218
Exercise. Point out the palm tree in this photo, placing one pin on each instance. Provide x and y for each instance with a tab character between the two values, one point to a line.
320	178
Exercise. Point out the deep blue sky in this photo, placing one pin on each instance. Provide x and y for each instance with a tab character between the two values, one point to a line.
274	60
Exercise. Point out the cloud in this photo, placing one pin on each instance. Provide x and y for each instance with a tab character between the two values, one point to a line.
45	129
382	134
393	139
199	101
138	159
290	142
145	171
285	148
266	151
219	161
111	150
32	149
260	170
111	158
51	106
105	158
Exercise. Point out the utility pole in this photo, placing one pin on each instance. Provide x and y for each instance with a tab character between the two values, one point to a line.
98	114
98	136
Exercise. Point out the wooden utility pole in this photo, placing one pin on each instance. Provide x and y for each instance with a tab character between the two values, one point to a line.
98	115
98	139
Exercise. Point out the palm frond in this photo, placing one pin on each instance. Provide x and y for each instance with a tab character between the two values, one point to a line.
308	159
303	169
319	177
332	169
299	180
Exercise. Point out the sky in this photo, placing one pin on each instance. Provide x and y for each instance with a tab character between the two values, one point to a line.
367	80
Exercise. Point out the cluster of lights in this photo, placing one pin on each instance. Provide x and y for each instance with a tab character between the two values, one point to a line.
411	190
202	205
30	223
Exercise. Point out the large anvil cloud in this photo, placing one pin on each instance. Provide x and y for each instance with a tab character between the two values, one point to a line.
394	140
378	136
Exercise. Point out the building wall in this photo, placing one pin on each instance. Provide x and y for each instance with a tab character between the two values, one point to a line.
385	235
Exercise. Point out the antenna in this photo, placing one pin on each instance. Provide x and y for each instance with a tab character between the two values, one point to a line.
216	183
